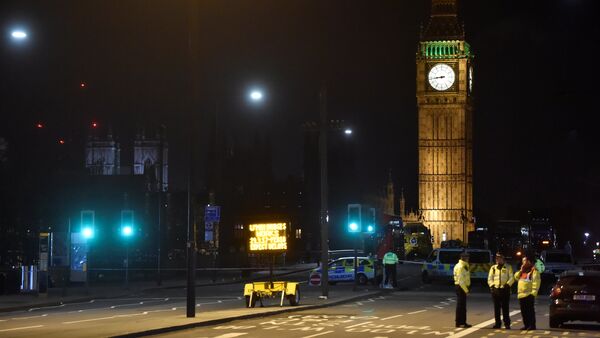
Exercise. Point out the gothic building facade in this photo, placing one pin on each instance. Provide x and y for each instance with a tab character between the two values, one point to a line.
150	157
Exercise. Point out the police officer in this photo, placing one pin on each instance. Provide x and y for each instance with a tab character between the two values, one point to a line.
390	259
462	282
500	279
527	288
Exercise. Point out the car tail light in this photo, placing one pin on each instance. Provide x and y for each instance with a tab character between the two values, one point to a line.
555	291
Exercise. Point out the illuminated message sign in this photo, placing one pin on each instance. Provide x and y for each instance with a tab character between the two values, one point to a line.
268	237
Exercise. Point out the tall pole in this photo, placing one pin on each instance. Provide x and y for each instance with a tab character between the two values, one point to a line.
324	188
127	265
190	245
159	211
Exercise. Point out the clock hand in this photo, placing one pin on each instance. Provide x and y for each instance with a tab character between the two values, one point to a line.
437	77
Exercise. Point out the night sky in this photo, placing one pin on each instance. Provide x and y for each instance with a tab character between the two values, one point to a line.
535	84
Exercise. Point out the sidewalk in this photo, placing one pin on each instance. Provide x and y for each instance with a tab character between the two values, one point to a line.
310	301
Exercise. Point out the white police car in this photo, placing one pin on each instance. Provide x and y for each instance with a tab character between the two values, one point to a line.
342	270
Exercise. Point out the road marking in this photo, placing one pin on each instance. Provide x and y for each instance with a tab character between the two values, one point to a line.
359	303
21	328
45	307
392	317
231	335
355	325
20	318
478	326
103	318
152	311
317	334
415	312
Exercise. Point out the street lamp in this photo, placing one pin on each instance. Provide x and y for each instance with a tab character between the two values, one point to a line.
256	95
348	131
18	34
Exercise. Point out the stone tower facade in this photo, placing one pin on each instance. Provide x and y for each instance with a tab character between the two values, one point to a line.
102	155
444	86
151	158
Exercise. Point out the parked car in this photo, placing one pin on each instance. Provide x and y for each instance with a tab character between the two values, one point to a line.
557	261
576	296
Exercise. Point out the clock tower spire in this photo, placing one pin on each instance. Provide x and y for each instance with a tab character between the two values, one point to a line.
444	86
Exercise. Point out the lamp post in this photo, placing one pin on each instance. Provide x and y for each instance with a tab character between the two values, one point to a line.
323	215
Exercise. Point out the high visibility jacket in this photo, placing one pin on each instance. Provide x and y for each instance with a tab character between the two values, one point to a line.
390	258
462	276
501	277
529	284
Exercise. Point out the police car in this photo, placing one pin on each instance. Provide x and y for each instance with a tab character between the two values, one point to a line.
342	270
440	263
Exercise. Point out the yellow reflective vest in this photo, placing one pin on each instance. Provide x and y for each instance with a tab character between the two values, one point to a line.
462	276
529	284
500	277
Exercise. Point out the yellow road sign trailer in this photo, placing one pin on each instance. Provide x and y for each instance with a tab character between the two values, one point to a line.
270	239
260	290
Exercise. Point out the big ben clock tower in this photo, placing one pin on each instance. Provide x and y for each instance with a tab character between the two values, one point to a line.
444	87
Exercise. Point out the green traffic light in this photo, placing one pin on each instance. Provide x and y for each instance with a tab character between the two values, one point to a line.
353	227
127	231
88	232
370	228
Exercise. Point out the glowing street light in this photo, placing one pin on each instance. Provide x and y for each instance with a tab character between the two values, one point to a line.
256	95
18	34
348	131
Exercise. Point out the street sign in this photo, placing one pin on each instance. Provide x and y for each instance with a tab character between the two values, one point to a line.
212	214
315	279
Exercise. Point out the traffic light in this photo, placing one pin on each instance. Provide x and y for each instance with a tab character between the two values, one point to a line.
370	220
88	223
354	218
127	223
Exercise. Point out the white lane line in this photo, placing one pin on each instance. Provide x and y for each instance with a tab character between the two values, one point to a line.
21	328
359	324
45	307
415	312
103	318
20	318
317	334
392	317
231	335
152	311
438	306
359	303
478	326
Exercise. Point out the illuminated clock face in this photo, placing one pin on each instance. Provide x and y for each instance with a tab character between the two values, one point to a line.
441	77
